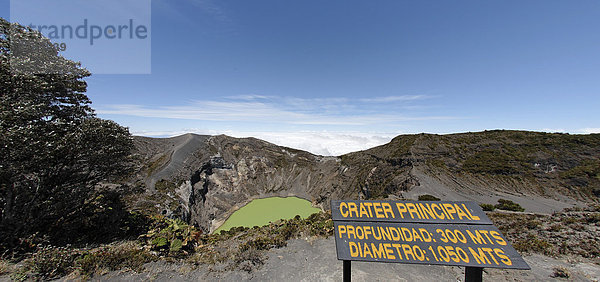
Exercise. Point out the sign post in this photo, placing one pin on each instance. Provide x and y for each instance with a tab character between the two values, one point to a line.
423	232
347	270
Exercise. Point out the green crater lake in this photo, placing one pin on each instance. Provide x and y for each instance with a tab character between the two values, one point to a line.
260	212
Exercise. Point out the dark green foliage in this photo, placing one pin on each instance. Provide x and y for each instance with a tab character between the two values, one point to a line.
587	168
588	171
533	244
152	167
487	207
562	233
47	263
53	149
592	218
427	197
490	161
508	205
320	224
103	219
165	186
560	272
114	258
171	237
263	243
245	246
437	163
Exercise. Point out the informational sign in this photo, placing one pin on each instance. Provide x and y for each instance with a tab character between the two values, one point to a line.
423	232
409	211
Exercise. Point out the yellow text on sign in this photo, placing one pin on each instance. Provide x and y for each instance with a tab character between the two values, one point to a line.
425	210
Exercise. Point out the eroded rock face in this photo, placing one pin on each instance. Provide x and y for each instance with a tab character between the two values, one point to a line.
224	173
201	212
230	180
218	174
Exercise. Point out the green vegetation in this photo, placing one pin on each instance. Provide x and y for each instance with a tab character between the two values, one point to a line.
563	233
239	248
243	247
54	149
587	169
522	156
492	162
437	163
262	211
401	145
508	205
127	255
4	267
165	186
428	197
533	244
487	207
153	166
560	272
171	237
49	262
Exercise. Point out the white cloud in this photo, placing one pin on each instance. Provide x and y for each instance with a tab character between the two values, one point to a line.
324	126
590	130
322	143
317	142
282	110
387	99
554	130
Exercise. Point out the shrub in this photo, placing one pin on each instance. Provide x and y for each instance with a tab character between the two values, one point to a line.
49	262
508	205
555	228
171	237
54	149
4	267
487	207
592	217
263	243
428	197
533	244
490	162
560	272
587	169
114	258
320	224
248	259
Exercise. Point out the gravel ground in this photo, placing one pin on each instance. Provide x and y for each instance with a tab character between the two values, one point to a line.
315	260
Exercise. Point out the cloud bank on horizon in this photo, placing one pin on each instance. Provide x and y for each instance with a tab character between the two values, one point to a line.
286	110
319	143
306	124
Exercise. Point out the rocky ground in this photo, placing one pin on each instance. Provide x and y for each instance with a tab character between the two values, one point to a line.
203	179
314	259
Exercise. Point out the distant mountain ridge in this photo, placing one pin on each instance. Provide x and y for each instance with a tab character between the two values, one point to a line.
203	179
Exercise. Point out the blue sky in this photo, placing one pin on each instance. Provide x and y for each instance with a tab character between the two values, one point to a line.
337	76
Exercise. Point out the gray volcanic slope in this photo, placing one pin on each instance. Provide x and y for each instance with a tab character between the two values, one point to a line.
210	177
185	147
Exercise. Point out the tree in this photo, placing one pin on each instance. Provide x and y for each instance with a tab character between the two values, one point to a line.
54	151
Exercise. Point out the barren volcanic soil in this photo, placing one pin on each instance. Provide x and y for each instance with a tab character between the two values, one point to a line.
315	260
